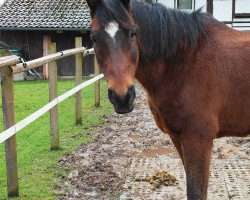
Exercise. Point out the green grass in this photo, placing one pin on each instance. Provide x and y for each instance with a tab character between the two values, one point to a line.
36	163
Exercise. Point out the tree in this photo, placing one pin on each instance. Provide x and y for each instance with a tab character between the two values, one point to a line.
210	6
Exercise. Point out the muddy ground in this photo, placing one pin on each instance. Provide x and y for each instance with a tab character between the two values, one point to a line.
131	146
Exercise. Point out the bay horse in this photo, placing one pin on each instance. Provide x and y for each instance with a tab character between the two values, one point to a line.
196	72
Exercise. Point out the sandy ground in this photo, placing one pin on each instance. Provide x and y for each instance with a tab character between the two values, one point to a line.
131	146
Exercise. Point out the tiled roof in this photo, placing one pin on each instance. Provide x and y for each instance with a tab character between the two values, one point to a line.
44	15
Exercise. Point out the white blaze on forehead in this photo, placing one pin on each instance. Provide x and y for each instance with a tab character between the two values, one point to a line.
112	29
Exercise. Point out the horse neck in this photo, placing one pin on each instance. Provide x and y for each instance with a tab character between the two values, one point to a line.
163	31
165	35
154	76
147	75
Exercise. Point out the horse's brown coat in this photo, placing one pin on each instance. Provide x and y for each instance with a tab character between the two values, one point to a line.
201	96
195	96
215	88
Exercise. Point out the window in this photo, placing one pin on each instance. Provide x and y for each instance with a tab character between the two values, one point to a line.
184	4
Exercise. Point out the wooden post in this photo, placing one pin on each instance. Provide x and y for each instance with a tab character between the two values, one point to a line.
46	43
210	6
78	81
97	85
9	120
233	10
54	127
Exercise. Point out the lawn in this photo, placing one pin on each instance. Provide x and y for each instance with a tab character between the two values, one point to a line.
36	163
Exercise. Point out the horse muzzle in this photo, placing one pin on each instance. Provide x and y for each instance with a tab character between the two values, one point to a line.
123	104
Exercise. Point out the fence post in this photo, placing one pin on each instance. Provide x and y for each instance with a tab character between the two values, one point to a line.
78	81
9	120
97	85
54	127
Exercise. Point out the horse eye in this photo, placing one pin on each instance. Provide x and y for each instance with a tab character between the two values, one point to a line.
133	33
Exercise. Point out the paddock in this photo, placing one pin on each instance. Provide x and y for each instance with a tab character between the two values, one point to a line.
128	147
117	157
139	149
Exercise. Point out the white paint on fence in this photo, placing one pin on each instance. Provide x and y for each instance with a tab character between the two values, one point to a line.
28	120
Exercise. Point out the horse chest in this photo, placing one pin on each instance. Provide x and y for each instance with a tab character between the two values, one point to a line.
167	116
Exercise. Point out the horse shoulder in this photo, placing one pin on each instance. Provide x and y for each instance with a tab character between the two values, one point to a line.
159	119
229	60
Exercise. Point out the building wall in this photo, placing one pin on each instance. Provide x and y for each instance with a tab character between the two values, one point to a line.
65	41
31	45
222	8
196	4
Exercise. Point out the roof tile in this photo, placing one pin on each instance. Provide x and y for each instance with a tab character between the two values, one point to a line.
45	14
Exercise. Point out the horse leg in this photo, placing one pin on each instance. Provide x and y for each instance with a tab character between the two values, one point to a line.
177	145
196	150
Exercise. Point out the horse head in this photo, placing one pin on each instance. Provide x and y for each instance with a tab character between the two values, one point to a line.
114	35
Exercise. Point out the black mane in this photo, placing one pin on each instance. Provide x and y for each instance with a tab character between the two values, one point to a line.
162	31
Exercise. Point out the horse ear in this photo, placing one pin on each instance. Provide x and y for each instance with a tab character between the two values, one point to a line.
125	3
92	4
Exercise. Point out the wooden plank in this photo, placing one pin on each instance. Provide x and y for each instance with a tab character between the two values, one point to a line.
46	43
54	126
7	57
9	120
46	59
233	9
10	61
97	85
210	6
78	81
242	15
31	118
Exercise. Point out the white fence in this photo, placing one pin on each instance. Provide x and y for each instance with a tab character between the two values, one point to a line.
10	65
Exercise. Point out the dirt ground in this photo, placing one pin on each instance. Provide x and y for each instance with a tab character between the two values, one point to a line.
131	146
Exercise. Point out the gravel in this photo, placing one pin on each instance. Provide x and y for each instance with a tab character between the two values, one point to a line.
102	169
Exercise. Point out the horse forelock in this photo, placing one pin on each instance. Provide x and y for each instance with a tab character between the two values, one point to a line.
110	11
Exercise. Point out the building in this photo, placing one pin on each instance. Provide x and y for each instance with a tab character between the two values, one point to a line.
31	25
235	13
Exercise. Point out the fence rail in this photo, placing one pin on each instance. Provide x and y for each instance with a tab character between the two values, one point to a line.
31	118
7	57
9	60
25	66
10	65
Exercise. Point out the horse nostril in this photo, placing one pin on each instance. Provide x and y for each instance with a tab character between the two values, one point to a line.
132	94
111	95
123	101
